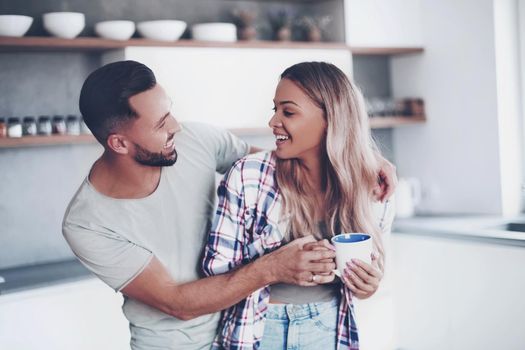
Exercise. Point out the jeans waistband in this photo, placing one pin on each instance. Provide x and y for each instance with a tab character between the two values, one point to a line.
299	311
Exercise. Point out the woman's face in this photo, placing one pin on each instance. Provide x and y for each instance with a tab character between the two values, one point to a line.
298	123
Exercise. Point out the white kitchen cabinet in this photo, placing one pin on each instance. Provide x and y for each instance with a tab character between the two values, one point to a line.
383	23
83	315
226	87
457	294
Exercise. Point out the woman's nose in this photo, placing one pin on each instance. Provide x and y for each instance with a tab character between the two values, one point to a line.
275	122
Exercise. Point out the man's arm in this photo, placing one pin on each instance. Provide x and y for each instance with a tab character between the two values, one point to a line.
289	264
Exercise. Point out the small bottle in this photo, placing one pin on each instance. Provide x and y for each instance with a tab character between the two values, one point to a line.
44	125
14	127
59	125
29	126
3	128
72	125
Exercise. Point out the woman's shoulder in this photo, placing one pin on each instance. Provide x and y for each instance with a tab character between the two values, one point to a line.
256	163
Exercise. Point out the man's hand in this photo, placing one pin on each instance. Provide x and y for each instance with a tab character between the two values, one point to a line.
386	180
304	262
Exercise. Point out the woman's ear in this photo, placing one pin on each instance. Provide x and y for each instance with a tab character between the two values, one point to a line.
118	143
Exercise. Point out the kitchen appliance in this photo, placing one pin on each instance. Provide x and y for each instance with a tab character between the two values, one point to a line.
408	196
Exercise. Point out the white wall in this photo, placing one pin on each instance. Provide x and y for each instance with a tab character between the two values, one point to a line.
227	87
456	154
509	102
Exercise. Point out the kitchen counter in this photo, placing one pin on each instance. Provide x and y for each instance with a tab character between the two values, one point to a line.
474	227
42	275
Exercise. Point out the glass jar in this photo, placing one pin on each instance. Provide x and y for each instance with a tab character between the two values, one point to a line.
59	125
84	128
72	125
14	127
29	126
3	128
44	125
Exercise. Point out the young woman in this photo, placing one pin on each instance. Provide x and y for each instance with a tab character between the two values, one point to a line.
319	181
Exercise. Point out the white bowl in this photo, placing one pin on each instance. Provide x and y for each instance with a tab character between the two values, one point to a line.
165	30
214	32
64	24
14	25
115	30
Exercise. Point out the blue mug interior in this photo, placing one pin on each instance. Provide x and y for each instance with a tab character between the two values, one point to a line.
350	238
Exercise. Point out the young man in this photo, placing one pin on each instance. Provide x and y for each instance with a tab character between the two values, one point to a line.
139	223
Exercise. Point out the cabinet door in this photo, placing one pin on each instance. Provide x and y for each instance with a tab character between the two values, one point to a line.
83	315
458	294
226	87
383	23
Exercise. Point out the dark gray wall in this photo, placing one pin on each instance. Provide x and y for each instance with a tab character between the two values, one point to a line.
191	11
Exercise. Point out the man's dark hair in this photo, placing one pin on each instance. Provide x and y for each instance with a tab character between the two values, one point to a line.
104	98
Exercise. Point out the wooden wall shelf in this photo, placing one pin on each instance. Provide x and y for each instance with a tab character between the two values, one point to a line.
34	141
392	122
42	44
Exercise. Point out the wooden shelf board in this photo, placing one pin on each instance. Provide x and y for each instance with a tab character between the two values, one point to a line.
33	141
10	44
98	44
363	51
28	141
392	122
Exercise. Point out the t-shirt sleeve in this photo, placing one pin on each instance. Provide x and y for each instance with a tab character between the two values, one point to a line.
385	213
115	260
226	147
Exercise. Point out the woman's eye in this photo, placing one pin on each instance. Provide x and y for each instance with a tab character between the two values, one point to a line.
274	109
287	113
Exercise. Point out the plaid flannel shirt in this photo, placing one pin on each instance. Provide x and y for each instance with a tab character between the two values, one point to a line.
247	225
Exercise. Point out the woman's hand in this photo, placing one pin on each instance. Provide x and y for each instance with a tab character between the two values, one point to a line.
361	278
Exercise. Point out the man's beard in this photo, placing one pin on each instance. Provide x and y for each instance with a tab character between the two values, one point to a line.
148	158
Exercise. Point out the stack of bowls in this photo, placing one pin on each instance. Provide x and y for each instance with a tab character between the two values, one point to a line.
115	30
14	25
66	25
164	30
215	32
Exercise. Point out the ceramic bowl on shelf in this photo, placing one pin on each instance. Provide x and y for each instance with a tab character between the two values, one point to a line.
115	30
164	30
14	25
66	25
214	32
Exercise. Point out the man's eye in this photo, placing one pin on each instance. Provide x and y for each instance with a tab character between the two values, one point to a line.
274	109
162	125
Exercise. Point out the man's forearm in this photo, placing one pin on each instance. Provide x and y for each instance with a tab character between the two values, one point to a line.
215	293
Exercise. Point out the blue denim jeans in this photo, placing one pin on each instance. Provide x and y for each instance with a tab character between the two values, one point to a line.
310	326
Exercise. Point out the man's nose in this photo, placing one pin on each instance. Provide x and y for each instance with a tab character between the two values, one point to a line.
176	127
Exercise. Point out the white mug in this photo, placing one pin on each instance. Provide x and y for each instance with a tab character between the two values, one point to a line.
350	246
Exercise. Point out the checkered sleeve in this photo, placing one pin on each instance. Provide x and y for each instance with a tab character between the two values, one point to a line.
224	248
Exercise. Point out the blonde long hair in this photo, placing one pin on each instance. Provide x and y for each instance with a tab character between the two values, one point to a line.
349	159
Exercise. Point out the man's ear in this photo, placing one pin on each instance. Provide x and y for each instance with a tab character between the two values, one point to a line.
118	143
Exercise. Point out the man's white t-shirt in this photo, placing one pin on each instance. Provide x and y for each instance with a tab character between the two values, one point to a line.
116	238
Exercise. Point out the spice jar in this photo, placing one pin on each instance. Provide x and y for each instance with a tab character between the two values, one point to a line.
59	125
14	127
3	128
44	125
29	126
84	128
72	125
